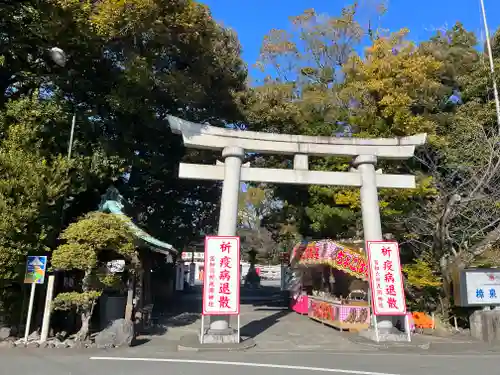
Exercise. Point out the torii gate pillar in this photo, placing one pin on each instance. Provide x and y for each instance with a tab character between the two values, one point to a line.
233	159
370	212
365	165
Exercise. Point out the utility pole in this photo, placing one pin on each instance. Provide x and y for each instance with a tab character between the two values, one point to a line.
492	65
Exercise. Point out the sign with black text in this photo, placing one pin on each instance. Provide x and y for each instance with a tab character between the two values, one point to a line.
221	279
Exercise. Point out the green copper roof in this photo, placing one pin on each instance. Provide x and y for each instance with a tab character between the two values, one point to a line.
112	202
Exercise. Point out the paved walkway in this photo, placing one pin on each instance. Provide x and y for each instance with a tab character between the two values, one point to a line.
264	317
274	328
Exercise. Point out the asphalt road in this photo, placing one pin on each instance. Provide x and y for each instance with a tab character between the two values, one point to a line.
128	362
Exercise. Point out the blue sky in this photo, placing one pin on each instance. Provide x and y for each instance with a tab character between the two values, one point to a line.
253	19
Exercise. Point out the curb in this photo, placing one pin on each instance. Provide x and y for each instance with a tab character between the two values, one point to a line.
389	344
437	348
190	343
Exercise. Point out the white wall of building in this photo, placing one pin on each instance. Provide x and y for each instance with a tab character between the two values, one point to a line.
266	271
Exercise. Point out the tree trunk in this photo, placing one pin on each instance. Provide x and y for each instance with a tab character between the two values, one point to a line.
86	313
83	333
448	265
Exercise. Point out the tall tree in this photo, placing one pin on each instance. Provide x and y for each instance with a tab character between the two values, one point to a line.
130	63
33	185
177	61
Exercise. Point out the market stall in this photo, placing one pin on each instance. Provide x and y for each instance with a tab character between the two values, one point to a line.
329	284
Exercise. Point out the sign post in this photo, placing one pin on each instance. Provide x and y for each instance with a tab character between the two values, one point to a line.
386	281
36	266
221	278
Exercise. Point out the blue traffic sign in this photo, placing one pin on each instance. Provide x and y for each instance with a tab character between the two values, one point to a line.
36	266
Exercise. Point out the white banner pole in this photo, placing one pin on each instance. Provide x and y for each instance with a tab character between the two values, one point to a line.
239	337
47	312
375	323
202	328
30	312
408	328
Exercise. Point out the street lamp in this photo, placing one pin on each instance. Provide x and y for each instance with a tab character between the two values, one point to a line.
492	66
59	57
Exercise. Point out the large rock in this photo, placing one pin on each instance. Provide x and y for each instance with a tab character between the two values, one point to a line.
119	333
5	333
34	336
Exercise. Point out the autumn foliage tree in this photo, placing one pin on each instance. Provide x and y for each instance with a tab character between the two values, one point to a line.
319	85
85	241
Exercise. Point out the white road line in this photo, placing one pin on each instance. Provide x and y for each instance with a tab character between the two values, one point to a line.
367	352
244	364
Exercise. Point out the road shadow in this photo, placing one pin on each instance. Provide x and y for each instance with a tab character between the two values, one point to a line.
179	319
262	296
261	290
184	310
139	341
267	308
256	327
276	303
154	329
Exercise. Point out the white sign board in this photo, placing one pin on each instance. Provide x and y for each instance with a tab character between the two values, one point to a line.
195	256
221	279
386	280
115	266
482	287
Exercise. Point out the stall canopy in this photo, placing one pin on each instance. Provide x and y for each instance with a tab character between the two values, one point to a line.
333	254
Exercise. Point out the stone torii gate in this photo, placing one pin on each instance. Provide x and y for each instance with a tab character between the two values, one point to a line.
234	144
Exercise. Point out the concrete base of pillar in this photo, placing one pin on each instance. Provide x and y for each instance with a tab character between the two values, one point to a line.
192	343
386	326
388	335
224	336
386	331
